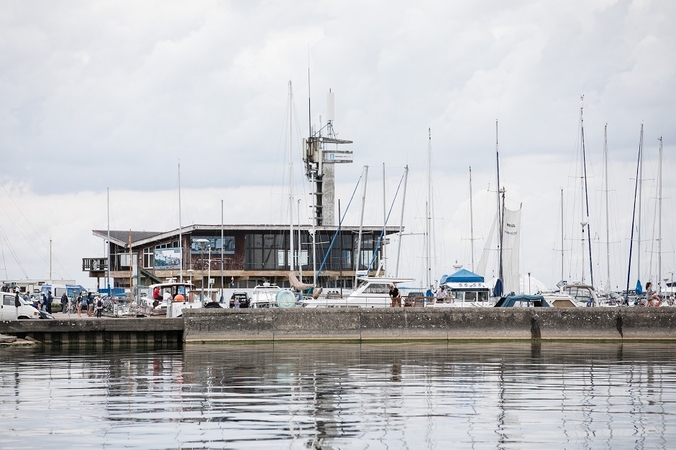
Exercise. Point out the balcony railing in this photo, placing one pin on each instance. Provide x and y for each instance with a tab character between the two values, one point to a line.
94	264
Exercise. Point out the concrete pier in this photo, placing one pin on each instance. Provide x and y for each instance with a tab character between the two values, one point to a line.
94	331
405	324
357	325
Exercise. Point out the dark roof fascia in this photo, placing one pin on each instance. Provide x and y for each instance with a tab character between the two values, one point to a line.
191	229
121	237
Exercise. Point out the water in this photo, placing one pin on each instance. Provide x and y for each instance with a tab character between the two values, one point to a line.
299	396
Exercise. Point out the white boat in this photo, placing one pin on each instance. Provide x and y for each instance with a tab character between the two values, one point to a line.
464	289
372	292
572	295
175	298
270	295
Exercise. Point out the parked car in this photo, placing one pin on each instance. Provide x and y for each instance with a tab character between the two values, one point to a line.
243	297
10	311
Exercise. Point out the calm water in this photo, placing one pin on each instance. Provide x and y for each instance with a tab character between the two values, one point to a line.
298	396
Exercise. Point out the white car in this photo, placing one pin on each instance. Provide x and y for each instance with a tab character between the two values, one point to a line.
9	310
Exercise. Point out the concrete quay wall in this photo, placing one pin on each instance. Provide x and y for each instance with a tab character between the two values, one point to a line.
214	325
95	331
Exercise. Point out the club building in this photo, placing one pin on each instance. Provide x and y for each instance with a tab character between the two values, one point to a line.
237	256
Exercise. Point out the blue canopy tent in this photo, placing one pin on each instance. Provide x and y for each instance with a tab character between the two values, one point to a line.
462	276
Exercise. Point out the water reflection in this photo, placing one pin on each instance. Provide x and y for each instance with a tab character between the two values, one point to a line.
333	395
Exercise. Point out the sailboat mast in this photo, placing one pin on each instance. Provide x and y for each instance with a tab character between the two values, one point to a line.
471	221
428	212
633	215
180	228
562	250
291	253
639	211
500	224
659	220
605	164
401	221
361	226
586	198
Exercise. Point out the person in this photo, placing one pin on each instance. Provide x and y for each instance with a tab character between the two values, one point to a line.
395	297
441	294
43	302
17	303
48	303
652	298
156	294
90	304
64	302
99	307
81	303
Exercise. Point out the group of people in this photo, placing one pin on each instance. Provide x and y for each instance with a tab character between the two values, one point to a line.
90	304
395	297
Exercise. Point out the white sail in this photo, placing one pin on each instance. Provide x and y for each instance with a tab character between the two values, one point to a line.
510	250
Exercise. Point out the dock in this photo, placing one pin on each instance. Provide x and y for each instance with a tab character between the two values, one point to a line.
356	325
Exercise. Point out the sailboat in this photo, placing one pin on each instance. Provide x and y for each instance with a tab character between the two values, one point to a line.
507	242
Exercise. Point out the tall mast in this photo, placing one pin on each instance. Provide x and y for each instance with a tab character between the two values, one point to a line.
585	224
384	247
222	252
291	264
180	228
471	220
500	206
428	212
562	249
401	222
361	226
659	221
605	164
639	211
108	252
633	216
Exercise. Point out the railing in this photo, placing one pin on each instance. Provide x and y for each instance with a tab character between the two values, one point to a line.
94	264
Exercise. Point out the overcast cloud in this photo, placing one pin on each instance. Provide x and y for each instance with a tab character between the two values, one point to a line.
97	95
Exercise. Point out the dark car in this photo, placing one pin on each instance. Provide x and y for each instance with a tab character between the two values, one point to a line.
242	298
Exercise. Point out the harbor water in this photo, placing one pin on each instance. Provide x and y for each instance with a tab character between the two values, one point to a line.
341	395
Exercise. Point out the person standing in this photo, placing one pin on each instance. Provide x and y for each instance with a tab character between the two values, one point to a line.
64	303
48	304
99	307
90	304
395	297
81	303
440	295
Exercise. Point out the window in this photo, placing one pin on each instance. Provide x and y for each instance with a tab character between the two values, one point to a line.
148	258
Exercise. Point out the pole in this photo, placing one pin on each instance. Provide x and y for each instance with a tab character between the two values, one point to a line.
222	254
108	252
471	221
659	221
401	221
180	229
361	226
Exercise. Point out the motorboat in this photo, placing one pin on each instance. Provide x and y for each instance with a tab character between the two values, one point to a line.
464	289
175	297
372	292
573	295
270	295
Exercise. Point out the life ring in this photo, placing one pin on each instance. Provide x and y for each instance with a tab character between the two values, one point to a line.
179	298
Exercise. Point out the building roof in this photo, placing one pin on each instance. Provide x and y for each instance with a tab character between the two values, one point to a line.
121	237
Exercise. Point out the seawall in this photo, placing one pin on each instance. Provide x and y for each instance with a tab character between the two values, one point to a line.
213	325
357	325
95	331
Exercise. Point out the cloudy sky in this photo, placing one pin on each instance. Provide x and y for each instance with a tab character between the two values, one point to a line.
98	96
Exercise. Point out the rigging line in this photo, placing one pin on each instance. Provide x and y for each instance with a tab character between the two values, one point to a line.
387	219
340	223
633	218
3	235
30	241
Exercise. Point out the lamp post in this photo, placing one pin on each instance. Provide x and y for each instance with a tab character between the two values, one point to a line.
203	243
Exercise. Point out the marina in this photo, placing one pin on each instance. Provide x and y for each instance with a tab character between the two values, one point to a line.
336	395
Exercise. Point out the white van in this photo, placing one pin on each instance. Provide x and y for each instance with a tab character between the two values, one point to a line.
9	311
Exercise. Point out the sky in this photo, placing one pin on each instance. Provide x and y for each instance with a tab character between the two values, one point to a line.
100	102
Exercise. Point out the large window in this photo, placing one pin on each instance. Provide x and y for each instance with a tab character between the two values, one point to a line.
148	258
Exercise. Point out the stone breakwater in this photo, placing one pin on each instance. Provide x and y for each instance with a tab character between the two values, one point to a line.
215	325
358	325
